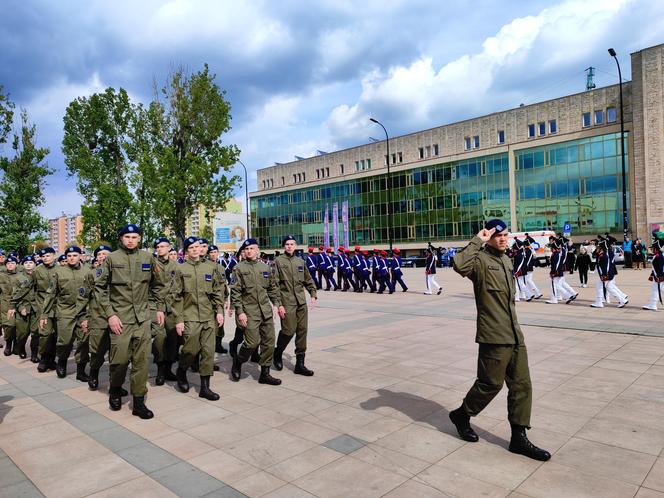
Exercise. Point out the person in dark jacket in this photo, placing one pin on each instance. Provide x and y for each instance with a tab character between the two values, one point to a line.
430	272
657	273
582	265
607	271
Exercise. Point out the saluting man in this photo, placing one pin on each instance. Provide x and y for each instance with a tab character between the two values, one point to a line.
502	350
127	279
293	280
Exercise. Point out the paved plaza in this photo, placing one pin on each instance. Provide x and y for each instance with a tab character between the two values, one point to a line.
373	421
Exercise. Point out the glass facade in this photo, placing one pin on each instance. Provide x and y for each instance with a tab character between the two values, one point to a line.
576	182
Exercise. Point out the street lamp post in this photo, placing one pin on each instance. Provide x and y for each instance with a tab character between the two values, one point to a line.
389	184
612	53
246	188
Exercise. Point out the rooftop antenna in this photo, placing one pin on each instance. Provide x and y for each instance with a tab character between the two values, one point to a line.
590	74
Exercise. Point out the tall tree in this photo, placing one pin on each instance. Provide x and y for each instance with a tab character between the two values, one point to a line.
6	116
95	148
193	161
21	190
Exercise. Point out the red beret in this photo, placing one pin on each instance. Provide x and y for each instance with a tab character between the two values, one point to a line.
311	249
329	249
366	253
376	251
357	248
347	251
397	251
320	248
383	253
341	248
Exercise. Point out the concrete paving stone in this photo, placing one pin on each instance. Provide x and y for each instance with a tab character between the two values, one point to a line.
268	448
57	401
655	478
304	463
23	489
412	488
143	487
182	445
225	492
344	444
224	466
39	436
78	411
117	438
649	493
91	422
148	457
35	387
259	484
420	442
10	473
289	491
309	431
390	460
623	433
186	481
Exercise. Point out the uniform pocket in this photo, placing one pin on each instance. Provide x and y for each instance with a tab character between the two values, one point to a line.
495	279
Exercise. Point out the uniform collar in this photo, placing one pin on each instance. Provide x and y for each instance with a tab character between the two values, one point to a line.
492	250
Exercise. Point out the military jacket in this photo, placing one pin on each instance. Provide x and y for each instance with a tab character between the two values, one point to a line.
62	296
125	281
253	286
198	291
88	301
293	279
168	270
491	273
23	293
42	278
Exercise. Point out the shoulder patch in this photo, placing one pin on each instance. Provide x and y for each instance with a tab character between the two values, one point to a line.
81	291
208	277
99	272
266	274
233	279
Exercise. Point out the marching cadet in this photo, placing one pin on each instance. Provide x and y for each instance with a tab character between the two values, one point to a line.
198	303
503	357
99	340
356	265
430	272
529	258
203	248
253	288
62	260
345	272
47	335
213	256
350	271
7	280
519	271
62	299
397	272
384	274
327	266
23	301
293	311
374	264
127	278
657	273
365	272
239	330
321	273
164	337
606	273
312	266
558	258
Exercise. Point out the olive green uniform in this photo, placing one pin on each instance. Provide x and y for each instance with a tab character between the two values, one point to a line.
7	281
98	331
27	313
42	276
293	279
198	296
253	286
123	286
502	352
62	300
164	338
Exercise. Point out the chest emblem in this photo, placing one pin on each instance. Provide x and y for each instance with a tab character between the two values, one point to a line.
146	267
266	274
208	277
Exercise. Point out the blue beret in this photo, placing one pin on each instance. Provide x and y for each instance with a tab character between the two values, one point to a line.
203	241
247	243
28	258
212	248
499	225
12	259
101	248
286	239
47	250
188	241
161	240
71	249
2	252
131	228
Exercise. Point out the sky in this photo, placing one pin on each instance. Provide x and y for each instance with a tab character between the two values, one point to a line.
303	76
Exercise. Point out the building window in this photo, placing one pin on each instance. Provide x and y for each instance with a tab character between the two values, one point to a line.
599	117
283	180
387	159
427	151
400	157
466	143
341	169
586	119
327	171
304	177
541	128
501	136
611	115
318	174
294	178
436	150
362	165
357	165
476	142
553	126
531	130
264	184
421	151
394	158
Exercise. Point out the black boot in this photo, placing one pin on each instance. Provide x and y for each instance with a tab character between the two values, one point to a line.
461	421
114	398
300	369
183	383
205	391
242	356
93	379
34	351
266	378
140	410
80	372
123	392
255	356
61	368
21	350
219	347
161	374
8	348
521	445
282	342
168	372
43	366
50	362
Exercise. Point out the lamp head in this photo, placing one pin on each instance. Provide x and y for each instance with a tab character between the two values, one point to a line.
612	52
373	120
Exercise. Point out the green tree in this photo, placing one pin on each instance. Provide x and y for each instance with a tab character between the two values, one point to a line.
193	162
96	136
6	116
21	190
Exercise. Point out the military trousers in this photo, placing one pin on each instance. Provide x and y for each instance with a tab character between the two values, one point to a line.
47	338
296	323
131	346
198	338
498	364
27	326
69	331
260	332
164	340
8	326
100	343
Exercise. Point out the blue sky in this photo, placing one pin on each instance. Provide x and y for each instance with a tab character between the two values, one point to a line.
303	76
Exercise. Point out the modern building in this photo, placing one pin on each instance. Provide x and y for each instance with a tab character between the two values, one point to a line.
538	166
64	230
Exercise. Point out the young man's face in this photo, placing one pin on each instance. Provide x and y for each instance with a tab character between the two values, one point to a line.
28	265
48	258
73	258
194	251
130	240
11	266
202	251
213	255
162	249
499	240
101	256
173	255
251	252
289	247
